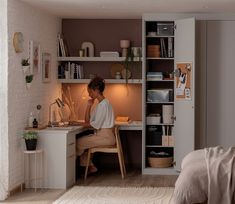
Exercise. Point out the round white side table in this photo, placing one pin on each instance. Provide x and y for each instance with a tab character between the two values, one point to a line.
38	167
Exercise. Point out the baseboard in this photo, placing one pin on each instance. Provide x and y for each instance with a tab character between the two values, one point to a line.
17	189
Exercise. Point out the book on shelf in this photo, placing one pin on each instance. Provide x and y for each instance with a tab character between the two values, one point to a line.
170	47
70	70
62	48
163	47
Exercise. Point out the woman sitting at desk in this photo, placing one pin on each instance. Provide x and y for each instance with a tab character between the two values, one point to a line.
101	119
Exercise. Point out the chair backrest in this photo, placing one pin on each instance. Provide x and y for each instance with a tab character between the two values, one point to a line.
116	133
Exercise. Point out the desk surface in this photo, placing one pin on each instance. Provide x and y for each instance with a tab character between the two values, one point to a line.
134	125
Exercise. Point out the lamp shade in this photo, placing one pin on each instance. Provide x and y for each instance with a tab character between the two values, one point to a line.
125	43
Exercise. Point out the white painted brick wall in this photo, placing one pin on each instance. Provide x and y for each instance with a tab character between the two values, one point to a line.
43	28
4	163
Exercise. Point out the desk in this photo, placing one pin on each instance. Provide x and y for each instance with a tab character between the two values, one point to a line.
59	144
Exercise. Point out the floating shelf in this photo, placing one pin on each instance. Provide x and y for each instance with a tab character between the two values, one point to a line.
94	59
109	81
160	102
160	36
160	58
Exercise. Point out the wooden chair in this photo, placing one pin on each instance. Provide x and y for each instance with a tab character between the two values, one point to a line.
117	148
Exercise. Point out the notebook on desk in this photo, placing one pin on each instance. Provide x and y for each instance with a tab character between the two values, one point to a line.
121	120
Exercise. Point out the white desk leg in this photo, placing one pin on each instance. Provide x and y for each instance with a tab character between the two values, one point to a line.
42	170
23	175
35	172
28	163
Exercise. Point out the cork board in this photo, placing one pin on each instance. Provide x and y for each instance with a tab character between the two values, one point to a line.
183	81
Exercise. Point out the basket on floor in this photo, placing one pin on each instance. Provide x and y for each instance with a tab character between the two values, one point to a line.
160	162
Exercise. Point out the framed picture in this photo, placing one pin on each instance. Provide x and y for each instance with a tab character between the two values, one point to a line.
46	67
35	57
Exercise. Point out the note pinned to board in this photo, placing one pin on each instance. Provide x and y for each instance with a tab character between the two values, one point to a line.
184	81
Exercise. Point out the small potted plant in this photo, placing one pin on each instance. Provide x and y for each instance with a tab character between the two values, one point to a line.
31	138
25	65
28	79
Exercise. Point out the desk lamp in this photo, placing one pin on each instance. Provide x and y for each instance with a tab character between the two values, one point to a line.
60	104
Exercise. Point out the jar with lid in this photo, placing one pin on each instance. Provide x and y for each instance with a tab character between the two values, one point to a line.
118	75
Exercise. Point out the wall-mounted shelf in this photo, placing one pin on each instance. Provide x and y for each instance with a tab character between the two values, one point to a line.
160	36
160	80
109	81
160	102
94	59
159	58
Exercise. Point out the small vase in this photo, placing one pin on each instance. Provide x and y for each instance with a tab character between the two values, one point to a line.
31	144
25	68
28	85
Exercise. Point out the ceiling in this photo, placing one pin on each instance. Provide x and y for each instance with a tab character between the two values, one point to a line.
129	9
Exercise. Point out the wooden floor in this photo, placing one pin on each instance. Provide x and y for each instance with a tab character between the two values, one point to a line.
107	178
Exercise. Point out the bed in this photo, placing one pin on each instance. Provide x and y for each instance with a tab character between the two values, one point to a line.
207	176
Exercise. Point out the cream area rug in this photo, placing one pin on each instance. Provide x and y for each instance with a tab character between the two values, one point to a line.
117	195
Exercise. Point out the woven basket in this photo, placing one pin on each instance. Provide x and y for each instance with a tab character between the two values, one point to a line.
160	162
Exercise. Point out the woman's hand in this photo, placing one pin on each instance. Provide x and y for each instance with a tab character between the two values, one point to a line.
90	102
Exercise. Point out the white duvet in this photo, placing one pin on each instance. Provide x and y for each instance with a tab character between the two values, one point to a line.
207	175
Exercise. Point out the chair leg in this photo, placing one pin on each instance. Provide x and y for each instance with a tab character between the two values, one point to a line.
87	164
120	163
123	163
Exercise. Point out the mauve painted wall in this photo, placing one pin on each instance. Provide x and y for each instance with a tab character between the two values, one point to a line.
126	99
106	36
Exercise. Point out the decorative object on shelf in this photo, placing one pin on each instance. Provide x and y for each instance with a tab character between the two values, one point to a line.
46	67
30	120
18	40
35	123
25	65
124	44
116	68
88	48
109	54
28	80
31	138
152	34
35	57
136	53
81	53
118	75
